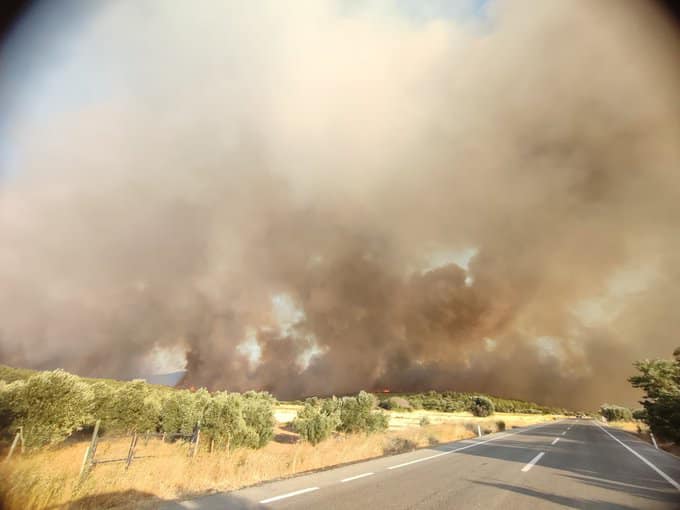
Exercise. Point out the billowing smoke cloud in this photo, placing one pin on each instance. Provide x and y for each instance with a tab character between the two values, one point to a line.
284	193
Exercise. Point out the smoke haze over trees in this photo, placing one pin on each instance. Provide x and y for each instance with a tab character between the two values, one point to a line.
331	197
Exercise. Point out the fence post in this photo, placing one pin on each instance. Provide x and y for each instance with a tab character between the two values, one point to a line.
21	432
131	451
14	445
653	440
479	431
198	438
88	459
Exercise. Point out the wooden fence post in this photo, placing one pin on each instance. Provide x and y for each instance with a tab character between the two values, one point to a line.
17	436
88	459
131	451
198	438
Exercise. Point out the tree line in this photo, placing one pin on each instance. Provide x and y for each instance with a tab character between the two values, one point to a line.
51	406
453	401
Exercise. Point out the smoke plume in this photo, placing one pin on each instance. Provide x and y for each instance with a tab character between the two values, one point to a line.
321	197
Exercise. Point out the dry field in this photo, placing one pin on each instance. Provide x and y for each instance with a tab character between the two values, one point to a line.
49	479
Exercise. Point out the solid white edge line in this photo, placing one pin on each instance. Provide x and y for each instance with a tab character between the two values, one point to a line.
555	441
289	495
356	477
470	446
658	471
532	462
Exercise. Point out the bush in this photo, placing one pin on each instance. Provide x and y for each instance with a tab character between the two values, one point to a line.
315	424
481	406
50	406
396	404
182	410
102	406
615	413
640	414
223	422
424	421
500	425
258	414
135	407
357	414
7	406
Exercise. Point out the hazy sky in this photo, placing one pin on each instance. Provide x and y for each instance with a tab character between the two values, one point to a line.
324	196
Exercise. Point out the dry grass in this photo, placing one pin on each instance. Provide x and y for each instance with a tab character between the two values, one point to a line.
48	479
638	428
402	420
641	430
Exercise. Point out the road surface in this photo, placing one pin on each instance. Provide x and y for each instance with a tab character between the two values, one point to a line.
566	464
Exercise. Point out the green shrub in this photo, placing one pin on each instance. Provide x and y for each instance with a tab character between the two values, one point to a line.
223	422
640	414
315	424
500	425
481	406
258	413
357	414
102	405
615	413
50	406
415	401
135	407
182	410
7	404
395	404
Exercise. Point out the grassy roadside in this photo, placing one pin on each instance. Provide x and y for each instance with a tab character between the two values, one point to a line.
641	431
48	478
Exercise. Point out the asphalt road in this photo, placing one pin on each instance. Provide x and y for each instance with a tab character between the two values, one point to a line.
566	464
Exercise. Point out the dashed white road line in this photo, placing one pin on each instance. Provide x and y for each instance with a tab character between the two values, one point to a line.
658	471
289	495
563	433
363	475
555	440
532	462
466	447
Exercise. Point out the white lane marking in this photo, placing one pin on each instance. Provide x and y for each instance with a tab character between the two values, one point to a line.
658	471
355	477
532	462
289	495
468	446
555	440
564	432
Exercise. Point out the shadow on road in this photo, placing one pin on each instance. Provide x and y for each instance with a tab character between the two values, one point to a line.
566	501
583	456
133	497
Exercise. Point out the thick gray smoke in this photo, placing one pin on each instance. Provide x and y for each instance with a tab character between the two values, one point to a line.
289	194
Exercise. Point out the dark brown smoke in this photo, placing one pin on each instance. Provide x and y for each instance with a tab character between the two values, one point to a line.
283	178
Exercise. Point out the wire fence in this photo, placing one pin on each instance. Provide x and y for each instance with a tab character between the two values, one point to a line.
112	449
